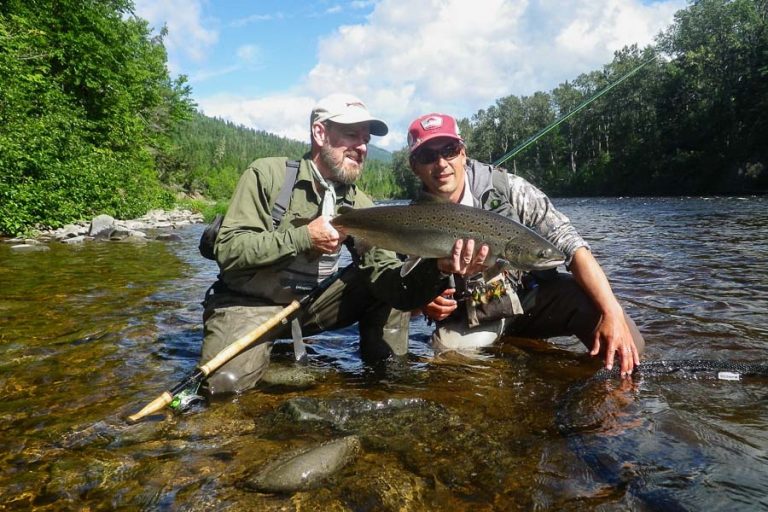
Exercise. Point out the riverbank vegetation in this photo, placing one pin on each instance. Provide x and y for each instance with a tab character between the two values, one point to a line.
86	106
91	121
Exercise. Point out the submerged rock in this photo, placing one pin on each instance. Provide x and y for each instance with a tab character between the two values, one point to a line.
168	237
341	411
412	430
307	468
294	377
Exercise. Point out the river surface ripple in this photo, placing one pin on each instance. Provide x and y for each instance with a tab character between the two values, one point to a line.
89	334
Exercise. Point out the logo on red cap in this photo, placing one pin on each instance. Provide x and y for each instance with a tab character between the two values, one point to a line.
432	123
431	126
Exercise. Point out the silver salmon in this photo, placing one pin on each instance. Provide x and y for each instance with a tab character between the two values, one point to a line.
429	230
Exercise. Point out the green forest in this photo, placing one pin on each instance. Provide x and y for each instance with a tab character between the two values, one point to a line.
91	121
691	122
86	111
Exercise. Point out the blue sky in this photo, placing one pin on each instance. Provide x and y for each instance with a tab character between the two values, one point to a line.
264	63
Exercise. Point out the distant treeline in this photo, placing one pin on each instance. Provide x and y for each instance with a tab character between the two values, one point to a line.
694	121
91	122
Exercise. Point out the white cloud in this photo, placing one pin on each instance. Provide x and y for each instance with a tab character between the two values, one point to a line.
255	18
605	27
286	115
457	56
187	37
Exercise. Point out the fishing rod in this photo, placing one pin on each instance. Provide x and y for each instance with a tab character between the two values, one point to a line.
533	138
196	376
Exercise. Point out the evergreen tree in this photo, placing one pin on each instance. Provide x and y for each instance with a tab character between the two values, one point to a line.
688	125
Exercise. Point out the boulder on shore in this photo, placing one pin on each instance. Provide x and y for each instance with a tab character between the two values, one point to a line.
107	228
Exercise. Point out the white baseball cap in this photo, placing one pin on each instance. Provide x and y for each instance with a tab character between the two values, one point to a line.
346	109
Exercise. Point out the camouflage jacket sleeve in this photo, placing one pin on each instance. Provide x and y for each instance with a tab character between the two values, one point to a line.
538	213
246	239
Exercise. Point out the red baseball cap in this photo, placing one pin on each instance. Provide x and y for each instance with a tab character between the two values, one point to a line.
431	126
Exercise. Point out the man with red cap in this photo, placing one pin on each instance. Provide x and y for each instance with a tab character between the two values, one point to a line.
536	304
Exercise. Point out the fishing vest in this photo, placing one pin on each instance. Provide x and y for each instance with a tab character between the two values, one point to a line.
489	187
292	279
208	238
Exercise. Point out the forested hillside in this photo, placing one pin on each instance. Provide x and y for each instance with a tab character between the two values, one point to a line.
691	122
208	155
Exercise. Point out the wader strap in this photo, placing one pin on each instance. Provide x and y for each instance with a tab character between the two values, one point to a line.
284	198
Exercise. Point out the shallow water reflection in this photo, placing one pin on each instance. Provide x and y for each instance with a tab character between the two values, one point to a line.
89	334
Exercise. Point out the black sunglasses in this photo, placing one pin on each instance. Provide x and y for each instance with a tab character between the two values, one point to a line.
426	156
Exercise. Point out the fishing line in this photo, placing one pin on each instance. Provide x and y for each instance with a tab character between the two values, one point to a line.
533	138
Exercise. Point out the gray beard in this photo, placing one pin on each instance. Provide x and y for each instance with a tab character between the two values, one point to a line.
338	173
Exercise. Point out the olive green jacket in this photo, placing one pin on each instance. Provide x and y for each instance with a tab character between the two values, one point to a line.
251	254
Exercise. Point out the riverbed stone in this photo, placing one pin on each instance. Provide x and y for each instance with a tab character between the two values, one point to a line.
70	231
383	484
106	228
293	377
168	237
132	225
74	240
345	412
36	247
306	469
70	478
411	429
127	235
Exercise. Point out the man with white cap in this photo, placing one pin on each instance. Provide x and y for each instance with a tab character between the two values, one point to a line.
275	244
535	304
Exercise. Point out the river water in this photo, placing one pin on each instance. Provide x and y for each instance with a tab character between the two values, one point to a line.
89	334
